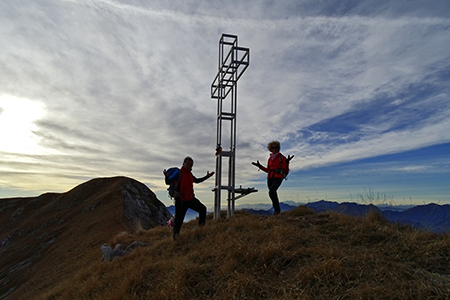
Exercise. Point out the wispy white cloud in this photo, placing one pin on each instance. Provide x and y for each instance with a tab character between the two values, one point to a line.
126	83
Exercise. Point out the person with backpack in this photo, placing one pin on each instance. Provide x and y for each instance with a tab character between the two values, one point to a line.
277	169
183	183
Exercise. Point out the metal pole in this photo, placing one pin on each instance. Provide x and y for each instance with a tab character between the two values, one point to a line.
231	68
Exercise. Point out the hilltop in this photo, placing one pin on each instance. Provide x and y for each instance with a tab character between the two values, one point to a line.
45	239
299	254
433	217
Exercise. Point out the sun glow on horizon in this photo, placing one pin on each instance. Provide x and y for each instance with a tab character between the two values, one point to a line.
17	123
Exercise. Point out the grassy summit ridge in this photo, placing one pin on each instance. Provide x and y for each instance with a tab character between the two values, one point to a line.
296	255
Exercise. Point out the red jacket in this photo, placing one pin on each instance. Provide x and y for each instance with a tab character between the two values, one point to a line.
187	184
277	166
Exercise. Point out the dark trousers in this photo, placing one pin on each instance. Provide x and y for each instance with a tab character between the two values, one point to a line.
273	184
181	208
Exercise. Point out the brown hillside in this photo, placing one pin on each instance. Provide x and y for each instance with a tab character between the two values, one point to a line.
296	255
44	239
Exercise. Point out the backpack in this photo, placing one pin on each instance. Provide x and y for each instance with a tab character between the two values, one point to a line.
173	181
284	166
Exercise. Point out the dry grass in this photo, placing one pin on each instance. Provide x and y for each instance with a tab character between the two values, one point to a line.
296	255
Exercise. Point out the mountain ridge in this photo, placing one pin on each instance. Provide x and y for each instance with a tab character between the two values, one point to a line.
432	217
37	233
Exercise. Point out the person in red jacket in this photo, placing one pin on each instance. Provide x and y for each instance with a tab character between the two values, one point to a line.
277	169
186	198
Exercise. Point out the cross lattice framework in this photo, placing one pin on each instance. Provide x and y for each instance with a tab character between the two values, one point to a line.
233	61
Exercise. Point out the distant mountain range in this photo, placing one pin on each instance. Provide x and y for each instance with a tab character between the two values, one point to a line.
433	217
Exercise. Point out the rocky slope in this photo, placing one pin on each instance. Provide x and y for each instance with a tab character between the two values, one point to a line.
38	234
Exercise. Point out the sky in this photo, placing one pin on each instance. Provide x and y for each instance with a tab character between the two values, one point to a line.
357	90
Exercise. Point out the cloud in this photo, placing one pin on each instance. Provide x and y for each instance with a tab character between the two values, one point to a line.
126	83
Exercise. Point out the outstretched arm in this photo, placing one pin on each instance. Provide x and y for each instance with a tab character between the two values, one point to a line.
261	167
198	180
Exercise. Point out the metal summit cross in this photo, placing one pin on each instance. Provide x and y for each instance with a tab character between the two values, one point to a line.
233	61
